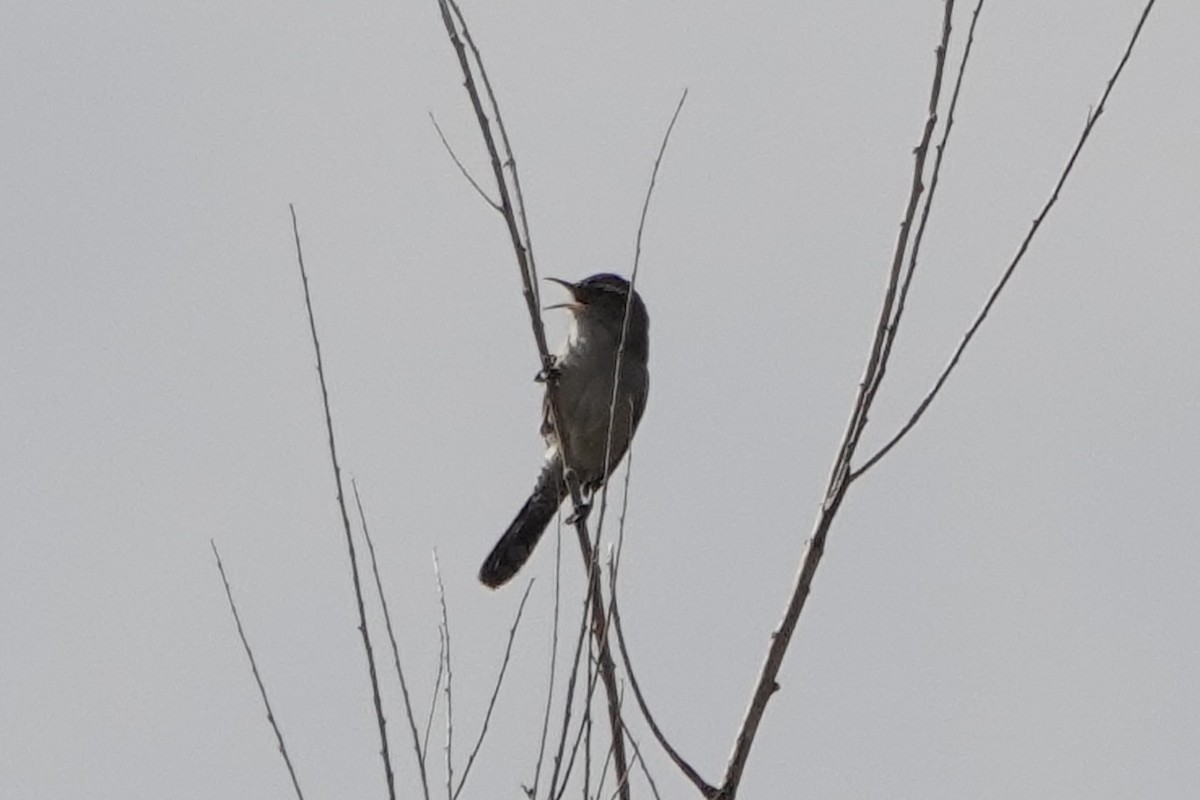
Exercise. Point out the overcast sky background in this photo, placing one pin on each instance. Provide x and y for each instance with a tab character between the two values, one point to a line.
1008	604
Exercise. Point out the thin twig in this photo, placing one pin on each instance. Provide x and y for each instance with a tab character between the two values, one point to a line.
585	789
487	717
705	788
637	258
612	408
926	207
460	166
437	571
387	620
1092	118
572	680
509	159
641	762
602	621
585	723
537	771
262	690
870	381
437	688
584	730
603	765
341	500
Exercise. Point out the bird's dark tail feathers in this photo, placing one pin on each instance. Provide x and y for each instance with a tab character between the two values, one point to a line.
517	543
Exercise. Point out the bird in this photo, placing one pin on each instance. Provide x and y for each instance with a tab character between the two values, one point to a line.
584	368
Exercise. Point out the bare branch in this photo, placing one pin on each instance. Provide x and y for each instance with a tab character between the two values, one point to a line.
341	500
262	690
1092	118
387	620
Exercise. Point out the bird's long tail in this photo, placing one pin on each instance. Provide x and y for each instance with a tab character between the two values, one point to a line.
517	543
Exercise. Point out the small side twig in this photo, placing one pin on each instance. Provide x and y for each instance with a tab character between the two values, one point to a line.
262	690
459	164
510	160
487	717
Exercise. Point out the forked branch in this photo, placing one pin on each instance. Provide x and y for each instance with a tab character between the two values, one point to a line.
1092	118
841	476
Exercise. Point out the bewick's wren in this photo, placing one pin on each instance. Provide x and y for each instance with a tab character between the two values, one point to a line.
585	366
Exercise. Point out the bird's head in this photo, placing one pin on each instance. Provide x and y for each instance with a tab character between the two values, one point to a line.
601	300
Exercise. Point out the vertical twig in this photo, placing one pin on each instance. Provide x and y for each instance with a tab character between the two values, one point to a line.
537	771
387	619
633	273
437	571
870	381
572	680
437	688
893	326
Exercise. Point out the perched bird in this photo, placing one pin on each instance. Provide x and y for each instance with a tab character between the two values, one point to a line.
585	367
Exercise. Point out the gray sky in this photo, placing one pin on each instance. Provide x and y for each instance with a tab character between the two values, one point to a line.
1007	607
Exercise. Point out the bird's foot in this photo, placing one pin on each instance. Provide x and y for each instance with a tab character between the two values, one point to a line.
552	372
580	514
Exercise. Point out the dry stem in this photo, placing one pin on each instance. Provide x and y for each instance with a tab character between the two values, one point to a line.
341	499
262	690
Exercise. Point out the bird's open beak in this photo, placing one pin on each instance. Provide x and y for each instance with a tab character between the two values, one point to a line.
574	305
